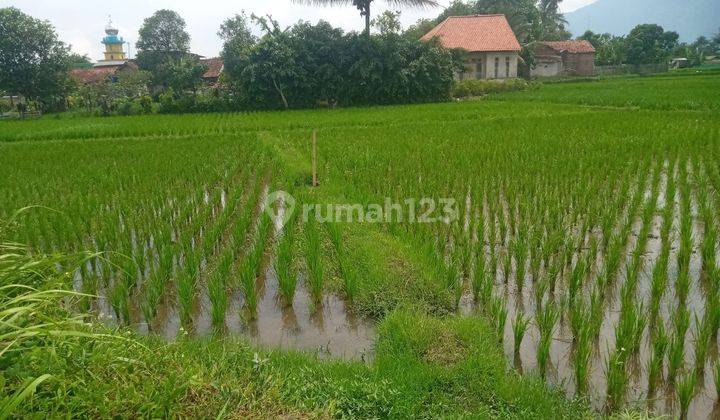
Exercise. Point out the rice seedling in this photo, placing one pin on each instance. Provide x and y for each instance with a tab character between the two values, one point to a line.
658	284
248	280
685	389
349	275
582	358
702	337
546	319
676	357
499	313
520	326
287	277
313	260
480	275
617	381
218	298
657	357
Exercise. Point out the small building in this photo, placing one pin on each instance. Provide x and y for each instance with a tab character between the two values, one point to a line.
563	58
114	63
215	67
493	50
679	63
114	48
105	73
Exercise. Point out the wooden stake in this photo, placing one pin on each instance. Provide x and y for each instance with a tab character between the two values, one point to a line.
314	159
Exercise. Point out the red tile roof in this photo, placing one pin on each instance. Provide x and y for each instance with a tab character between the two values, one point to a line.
479	33
214	67
94	75
573	47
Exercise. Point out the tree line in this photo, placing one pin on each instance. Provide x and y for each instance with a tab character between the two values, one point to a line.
305	65
648	44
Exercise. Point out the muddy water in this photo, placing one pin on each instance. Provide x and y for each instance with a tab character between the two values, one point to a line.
329	330
561	373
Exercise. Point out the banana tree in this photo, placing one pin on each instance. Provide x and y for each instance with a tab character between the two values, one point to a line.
364	5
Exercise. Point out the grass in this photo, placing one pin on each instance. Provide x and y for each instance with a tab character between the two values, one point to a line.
687	92
568	214
189	378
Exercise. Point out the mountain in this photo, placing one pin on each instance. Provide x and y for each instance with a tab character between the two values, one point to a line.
689	18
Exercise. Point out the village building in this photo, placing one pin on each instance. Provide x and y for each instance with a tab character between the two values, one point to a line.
563	58
114	64
114	48
215	68
491	46
104	73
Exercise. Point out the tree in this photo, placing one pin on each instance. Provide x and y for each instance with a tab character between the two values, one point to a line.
456	8
703	45
609	49
716	41
163	49
164	31
238	41
388	23
318	56
318	65
552	22
33	62
183	74
650	43
80	61
108	95
419	29
364	6
271	66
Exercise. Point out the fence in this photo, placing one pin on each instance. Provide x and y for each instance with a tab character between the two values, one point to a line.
631	69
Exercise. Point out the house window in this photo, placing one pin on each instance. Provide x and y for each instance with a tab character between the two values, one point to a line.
497	67
478	70
507	67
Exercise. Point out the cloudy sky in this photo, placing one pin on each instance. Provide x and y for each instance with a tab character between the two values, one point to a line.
81	22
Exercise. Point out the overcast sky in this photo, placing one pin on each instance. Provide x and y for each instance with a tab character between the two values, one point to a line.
81	22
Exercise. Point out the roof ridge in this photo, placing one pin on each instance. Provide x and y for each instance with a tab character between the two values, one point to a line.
475	33
476	15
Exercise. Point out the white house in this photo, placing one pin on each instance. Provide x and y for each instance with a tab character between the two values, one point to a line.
493	50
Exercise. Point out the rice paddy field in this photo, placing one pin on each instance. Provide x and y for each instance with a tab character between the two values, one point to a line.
585	243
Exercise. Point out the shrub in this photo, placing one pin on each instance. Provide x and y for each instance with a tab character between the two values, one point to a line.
471	88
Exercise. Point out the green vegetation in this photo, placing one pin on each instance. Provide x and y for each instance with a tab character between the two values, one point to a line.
585	233
690	92
473	88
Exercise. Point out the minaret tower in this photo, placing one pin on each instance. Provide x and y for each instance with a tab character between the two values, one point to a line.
113	44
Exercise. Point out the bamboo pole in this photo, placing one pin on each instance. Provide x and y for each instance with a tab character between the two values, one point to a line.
314	159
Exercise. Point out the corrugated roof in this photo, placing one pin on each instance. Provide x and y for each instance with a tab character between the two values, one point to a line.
478	33
573	47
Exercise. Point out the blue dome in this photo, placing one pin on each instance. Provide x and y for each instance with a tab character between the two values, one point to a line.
112	39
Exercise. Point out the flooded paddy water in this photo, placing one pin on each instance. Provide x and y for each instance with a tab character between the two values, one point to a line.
657	230
329	331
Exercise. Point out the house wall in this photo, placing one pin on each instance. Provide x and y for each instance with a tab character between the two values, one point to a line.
547	67
579	64
482	66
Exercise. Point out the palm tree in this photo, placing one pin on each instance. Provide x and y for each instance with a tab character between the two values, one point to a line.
364	5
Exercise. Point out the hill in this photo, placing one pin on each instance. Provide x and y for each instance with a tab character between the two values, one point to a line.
691	18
